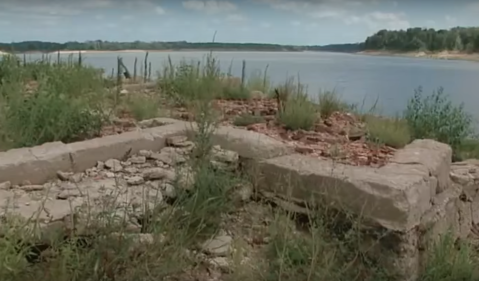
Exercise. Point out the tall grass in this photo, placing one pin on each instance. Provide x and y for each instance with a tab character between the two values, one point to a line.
43	102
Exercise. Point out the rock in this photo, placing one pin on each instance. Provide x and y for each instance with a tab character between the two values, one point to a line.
168	190
244	192
220	263
176	141
159	174
135	180
131	170
169	157
145	153
76	178
225	156
5	185
100	165
137	160
114	165
219	246
124	92
64	176
68	193
32	187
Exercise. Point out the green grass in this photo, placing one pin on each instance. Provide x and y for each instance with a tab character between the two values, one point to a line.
43	102
143	108
393	132
330	102
247	119
67	103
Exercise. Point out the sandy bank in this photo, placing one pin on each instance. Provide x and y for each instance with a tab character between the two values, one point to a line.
445	55
107	51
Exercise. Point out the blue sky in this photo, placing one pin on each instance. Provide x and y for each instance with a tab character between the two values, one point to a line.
263	21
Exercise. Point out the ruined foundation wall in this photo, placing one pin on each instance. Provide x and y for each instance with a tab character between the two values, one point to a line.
416	197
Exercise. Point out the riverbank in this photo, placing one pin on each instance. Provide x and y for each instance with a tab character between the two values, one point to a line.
444	55
68	52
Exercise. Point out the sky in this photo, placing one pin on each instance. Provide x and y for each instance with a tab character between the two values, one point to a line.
295	22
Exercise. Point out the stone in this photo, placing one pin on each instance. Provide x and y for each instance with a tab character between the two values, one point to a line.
68	193
5	185
221	263
176	141
168	190
64	176
158	174
76	178
32	187
114	165
218	246
137	160
135	180
145	153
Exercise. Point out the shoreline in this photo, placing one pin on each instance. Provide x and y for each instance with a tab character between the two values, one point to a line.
444	55
67	52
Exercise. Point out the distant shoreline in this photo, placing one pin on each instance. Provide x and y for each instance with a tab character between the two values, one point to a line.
67	52
444	55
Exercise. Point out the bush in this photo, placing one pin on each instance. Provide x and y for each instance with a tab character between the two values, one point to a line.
392	132
329	102
143	108
298	113
191	81
435	117
62	103
247	119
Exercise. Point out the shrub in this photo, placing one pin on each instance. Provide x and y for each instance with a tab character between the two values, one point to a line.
435	117
190	81
298	113
329	102
143	107
64	104
392	132
247	119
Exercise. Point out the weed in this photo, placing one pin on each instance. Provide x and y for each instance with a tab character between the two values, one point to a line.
330	102
435	117
44	102
392	132
143	108
298	113
447	262
246	119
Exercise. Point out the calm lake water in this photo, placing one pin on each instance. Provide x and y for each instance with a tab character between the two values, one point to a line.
357	78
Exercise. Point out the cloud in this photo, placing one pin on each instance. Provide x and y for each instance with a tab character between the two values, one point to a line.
210	6
295	23
235	17
265	24
159	10
450	20
380	20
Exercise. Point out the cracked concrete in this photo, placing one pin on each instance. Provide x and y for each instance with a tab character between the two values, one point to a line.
416	197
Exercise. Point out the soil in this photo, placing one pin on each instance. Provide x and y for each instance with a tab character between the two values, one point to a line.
341	136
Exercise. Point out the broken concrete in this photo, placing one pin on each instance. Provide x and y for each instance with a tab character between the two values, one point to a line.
414	198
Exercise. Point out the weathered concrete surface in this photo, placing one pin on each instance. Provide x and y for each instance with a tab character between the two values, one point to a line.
126	189
415	198
410	192
39	164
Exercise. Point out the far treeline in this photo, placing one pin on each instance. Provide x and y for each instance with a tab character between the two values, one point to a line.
461	39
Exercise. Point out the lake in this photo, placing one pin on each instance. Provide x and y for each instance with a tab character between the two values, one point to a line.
357	78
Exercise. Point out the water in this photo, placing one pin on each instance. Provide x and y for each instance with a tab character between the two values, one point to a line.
357	78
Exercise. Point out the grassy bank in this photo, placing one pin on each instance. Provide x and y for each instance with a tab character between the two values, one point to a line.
42	102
